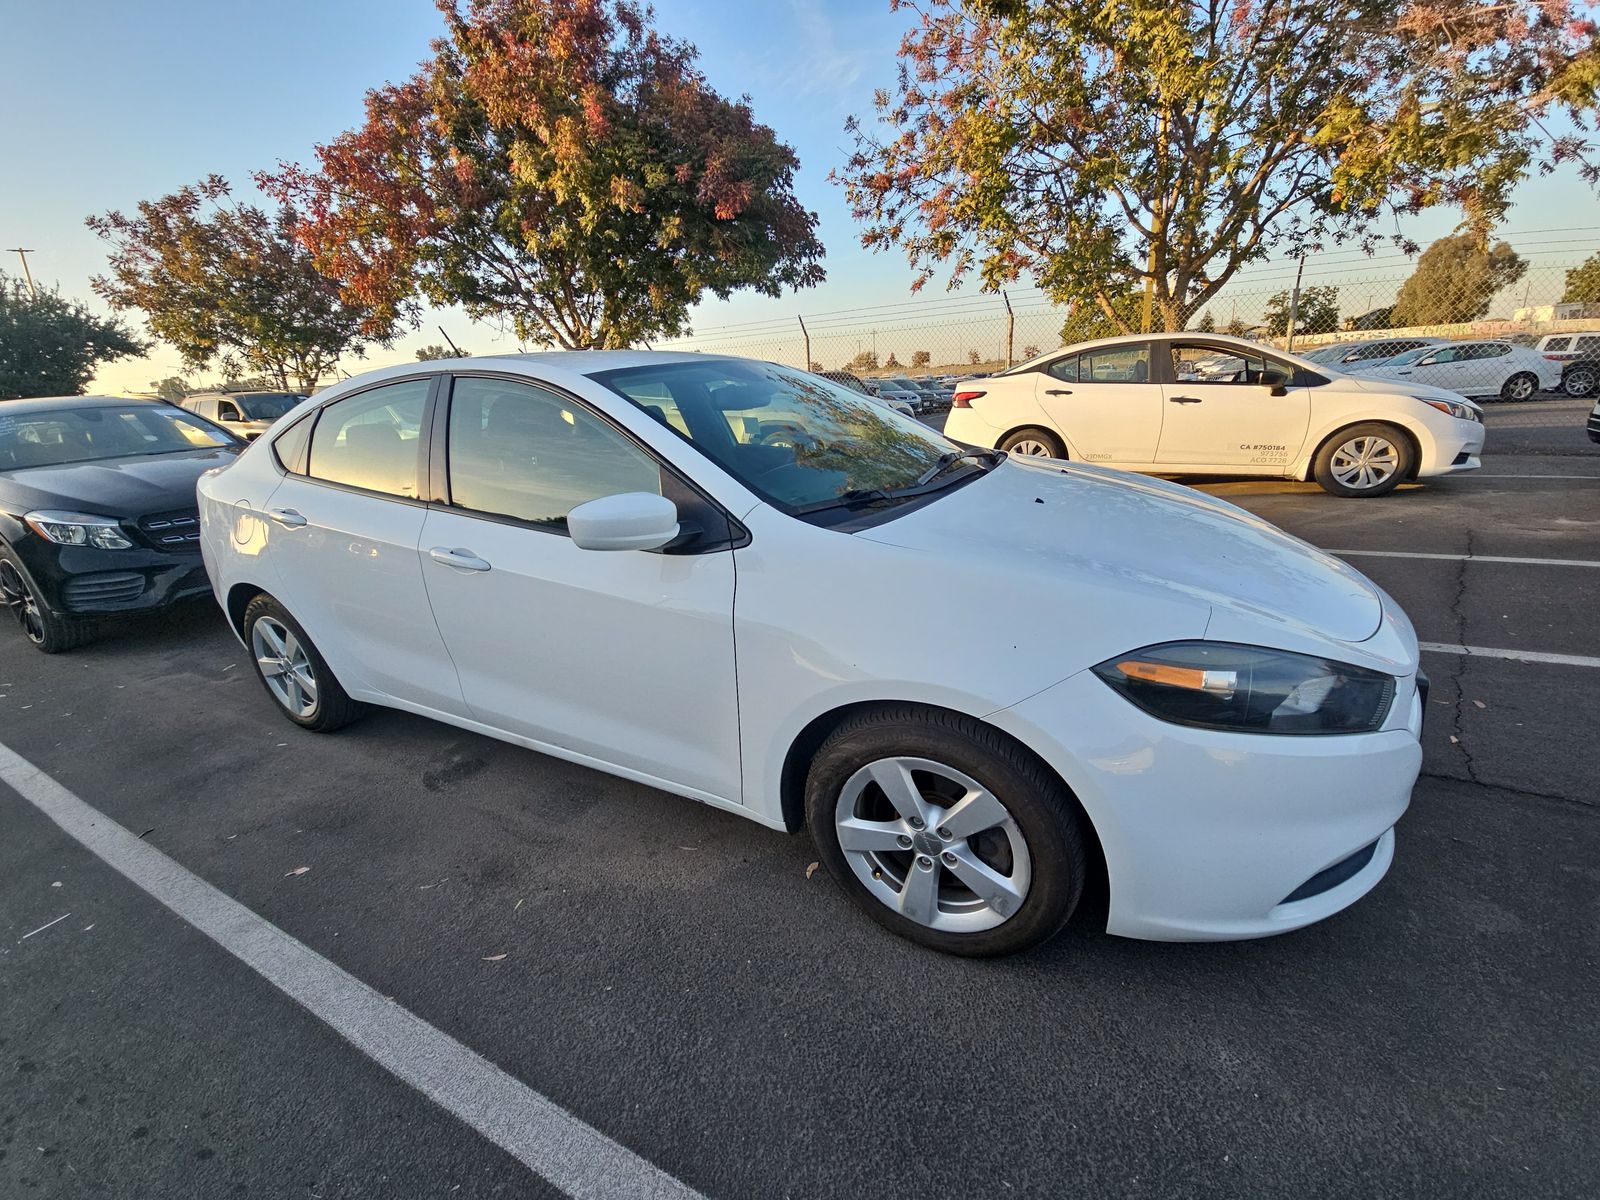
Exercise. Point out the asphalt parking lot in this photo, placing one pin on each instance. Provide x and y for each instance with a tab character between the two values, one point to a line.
676	978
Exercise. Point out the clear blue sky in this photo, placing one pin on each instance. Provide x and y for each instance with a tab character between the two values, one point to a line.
107	103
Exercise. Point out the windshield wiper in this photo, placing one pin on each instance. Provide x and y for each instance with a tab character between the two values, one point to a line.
950	459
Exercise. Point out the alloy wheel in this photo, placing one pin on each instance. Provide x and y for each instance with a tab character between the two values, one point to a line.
1521	387
1579	383
20	601
933	844
285	666
1365	462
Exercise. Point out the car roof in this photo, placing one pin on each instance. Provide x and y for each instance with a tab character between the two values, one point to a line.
251	392
53	403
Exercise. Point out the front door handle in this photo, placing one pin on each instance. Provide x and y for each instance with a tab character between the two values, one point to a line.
1058	391
287	517
1184	400
465	559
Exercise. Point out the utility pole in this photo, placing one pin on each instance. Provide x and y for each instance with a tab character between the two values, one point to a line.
807	337
1294	302
23	253
1011	329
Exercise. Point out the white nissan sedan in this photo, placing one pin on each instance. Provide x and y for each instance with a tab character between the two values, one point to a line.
710	575
1207	404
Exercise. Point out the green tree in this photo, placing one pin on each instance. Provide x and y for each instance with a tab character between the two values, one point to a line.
432	353
1208	323
171	389
974	358
1087	321
1456	280
1583	283
891	363
227	283
51	346
1236	327
1319	312
561	164
920	358
1142	144
867	360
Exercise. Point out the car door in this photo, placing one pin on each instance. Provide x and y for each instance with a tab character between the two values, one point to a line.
1104	402
1443	367
1485	367
343	531
621	656
1230	418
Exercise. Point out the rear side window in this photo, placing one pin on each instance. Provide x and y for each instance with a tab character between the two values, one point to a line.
372	440
289	447
1557	343
1064	369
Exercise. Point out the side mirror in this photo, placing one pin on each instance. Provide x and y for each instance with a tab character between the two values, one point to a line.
627	521
231	418
1276	382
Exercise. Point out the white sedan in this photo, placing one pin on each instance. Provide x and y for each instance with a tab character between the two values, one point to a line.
1207	404
606	557
1478	368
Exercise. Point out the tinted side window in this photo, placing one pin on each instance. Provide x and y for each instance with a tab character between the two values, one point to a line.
519	451
1065	369
290	446
1208	364
371	440
1486	350
227	410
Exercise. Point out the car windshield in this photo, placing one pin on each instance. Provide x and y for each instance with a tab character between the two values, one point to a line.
53	437
801	442
266	407
1407	357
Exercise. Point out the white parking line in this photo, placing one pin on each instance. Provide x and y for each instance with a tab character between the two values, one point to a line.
1486	558
1484	475
1560	660
536	1131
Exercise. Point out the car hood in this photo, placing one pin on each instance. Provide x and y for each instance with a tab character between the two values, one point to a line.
115	487
1129	531
1384	380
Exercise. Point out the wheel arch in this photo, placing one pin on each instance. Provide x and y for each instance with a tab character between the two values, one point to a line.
1095	901
239	597
1042	427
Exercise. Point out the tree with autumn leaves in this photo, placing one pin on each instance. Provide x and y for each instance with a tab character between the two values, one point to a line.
1148	149
560	164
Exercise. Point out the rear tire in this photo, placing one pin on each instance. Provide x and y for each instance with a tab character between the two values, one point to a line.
1364	461
1580	382
997	862
1522	386
48	632
1033	442
293	671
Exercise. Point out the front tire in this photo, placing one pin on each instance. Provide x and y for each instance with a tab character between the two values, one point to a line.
1033	442
1521	386
1364	461
46	631
293	671
945	831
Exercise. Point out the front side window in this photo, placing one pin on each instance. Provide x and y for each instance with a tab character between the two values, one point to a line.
227	411
798	441
371	440
519	451
1207	364
1411	357
70	435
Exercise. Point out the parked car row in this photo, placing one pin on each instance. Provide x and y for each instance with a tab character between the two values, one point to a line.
1482	368
544	549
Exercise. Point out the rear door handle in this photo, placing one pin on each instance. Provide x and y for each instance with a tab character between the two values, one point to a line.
286	516
465	559
1184	400
1058	391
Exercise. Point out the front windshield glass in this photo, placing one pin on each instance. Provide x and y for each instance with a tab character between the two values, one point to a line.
70	435
801	442
266	407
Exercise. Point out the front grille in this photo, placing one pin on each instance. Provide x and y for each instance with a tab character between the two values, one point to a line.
172	530
109	589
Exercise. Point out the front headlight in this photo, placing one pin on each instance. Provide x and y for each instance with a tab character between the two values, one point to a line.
1250	689
79	529
1464	412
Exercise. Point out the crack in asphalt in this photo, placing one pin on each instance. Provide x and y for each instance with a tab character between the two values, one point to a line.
1458	618
1521	793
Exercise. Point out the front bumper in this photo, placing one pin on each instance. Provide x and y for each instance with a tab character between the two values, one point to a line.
1455	451
1213	836
1594	424
85	582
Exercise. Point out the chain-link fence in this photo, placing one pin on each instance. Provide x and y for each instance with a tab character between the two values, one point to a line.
1493	332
